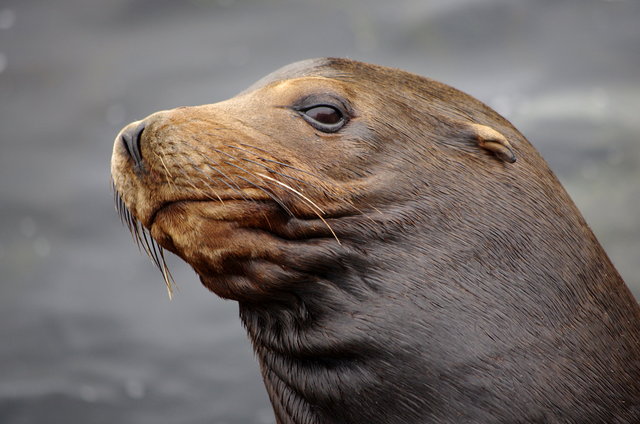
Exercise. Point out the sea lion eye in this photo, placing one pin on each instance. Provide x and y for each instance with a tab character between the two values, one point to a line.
325	118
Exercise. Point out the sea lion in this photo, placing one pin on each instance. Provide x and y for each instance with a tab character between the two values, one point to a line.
399	251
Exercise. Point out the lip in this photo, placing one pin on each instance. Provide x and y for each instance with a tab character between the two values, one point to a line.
223	202
170	204
156	211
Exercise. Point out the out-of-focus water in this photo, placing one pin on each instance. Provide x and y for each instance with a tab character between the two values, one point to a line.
87	333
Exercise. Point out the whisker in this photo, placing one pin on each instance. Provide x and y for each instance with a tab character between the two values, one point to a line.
160	155
124	215
291	189
266	167
166	274
144	241
279	173
156	253
127	219
314	206
201	172
146	245
198	189
282	164
116	200
278	162
283	174
267	192
155	246
222	152
224	179
308	201
271	195
133	228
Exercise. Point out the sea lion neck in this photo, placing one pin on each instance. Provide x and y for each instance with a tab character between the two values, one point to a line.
455	330
339	354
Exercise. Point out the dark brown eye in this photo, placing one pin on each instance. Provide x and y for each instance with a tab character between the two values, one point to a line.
324	117
324	114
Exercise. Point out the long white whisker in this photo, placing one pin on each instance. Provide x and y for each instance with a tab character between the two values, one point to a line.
305	198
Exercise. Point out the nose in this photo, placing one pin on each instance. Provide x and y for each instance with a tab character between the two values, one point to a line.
131	140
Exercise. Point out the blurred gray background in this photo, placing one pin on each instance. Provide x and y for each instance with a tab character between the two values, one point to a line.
87	333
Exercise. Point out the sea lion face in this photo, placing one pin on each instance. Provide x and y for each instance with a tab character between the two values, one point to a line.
239	187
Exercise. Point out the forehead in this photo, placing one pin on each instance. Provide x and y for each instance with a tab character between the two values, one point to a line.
322	67
290	89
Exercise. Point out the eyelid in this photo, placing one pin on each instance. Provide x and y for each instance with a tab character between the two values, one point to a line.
324	99
327	105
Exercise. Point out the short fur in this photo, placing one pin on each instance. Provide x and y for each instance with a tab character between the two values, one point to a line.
406	275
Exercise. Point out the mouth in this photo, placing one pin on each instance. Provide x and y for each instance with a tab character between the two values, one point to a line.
220	209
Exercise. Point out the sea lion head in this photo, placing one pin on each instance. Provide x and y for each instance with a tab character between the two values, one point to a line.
240	188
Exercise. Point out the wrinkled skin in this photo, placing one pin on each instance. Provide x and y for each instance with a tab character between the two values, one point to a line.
397	270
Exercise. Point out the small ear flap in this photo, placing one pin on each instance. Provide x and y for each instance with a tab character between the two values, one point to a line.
491	140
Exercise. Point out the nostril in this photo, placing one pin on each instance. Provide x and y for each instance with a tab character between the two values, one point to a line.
131	140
